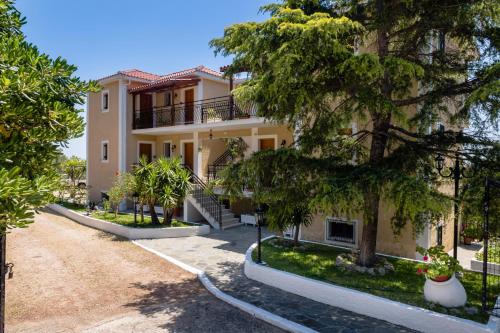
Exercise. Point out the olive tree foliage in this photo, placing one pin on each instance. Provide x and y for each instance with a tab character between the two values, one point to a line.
72	171
38	115
393	67
123	187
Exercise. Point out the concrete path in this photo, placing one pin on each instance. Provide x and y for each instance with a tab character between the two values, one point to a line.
465	253
70	278
221	256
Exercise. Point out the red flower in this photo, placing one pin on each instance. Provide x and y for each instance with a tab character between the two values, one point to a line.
425	270
419	271
426	258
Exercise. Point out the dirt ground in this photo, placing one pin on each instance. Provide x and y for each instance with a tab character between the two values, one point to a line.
70	278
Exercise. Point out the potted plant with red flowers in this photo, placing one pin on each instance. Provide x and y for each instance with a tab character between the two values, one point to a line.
441	285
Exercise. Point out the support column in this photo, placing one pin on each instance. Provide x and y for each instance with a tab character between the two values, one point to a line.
122	132
197	154
254	147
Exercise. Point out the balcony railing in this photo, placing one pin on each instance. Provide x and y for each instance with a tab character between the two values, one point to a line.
198	112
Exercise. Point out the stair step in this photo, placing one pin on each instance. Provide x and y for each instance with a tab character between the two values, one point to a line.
233	225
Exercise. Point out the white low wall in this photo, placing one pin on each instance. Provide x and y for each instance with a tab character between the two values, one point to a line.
356	301
476	265
128	232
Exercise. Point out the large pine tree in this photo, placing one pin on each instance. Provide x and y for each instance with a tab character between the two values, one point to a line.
395	67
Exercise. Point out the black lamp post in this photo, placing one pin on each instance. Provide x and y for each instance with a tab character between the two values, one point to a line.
134	197
259	219
456	173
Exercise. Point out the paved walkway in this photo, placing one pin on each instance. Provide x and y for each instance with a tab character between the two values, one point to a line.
465	253
221	256
70	278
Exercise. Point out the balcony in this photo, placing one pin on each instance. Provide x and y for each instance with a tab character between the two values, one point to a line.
207	111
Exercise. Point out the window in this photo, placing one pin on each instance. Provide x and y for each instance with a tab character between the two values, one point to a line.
341	230
167	149
104	151
168	98
439	237
105	101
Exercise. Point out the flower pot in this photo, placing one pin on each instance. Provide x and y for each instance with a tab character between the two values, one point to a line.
441	278
468	240
449	293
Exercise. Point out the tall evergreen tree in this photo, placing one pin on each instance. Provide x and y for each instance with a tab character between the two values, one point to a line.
395	67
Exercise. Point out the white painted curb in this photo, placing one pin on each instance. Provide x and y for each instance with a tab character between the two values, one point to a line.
359	302
251	309
127	232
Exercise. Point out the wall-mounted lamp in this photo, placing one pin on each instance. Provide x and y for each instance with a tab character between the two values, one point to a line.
283	143
173	148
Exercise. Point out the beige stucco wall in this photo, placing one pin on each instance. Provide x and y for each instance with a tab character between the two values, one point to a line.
102	126
213	89
388	243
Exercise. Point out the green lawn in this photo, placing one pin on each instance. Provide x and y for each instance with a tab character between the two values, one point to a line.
127	220
72	206
404	285
124	219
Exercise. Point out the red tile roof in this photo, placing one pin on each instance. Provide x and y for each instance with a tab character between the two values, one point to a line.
140	74
187	75
190	80
193	70
135	73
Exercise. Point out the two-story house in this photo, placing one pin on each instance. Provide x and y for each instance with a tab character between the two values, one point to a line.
188	113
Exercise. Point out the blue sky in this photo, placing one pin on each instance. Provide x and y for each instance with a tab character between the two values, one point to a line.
158	36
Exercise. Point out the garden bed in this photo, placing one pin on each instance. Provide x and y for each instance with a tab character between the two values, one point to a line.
403	285
125	219
123	225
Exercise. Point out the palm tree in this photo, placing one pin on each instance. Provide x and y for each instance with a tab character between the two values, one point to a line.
146	182
173	185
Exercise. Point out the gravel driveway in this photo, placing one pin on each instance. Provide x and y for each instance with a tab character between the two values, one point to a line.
70	278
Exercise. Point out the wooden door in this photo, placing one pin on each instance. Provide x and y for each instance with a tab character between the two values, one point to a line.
188	154
266	144
146	150
145	111
189	106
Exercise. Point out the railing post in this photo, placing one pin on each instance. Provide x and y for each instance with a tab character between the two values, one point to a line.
133	112
231	107
220	214
486	233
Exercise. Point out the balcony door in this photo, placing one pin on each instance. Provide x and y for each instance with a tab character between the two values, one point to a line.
189	106
146	110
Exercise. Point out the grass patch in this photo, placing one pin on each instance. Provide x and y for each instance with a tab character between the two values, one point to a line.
73	206
404	285
127	220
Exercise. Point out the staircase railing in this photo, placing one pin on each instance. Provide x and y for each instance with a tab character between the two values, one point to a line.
219	164
207	201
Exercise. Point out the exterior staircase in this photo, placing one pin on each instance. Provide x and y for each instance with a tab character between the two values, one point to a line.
209	205
219	164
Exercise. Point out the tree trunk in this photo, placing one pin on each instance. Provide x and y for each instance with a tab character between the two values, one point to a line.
296	235
167	216
142	212
3	240
154	216
381	122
